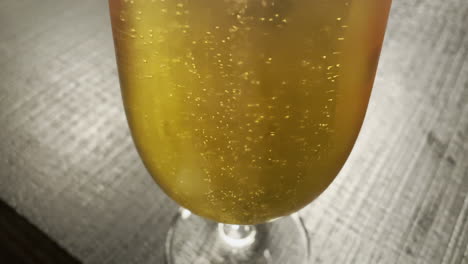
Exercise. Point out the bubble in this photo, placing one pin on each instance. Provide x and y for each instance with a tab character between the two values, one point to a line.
305	63
233	29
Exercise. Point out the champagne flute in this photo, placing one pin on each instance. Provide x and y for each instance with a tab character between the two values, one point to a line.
244	111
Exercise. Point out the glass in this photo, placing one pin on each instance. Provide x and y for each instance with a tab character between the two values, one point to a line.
244	111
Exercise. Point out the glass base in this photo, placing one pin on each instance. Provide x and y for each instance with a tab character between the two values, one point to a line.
195	240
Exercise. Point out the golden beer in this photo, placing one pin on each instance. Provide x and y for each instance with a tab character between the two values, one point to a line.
246	110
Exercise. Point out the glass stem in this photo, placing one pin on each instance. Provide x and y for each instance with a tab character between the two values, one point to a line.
237	236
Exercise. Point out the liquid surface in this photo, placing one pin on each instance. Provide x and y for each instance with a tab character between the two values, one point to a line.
246	110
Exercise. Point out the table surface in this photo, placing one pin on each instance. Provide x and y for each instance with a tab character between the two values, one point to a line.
69	166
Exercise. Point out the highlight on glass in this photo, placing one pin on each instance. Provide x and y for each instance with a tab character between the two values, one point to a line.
244	111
